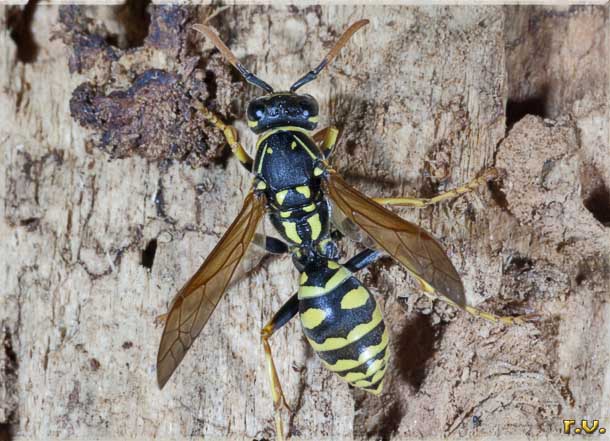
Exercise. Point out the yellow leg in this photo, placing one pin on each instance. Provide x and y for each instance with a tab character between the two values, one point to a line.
160	319
286	312
507	320
229	133
326	139
277	394
488	175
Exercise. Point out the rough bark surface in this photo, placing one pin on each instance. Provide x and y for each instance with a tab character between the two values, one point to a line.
109	205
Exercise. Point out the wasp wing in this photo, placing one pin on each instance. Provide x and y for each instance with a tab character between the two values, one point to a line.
409	244
195	302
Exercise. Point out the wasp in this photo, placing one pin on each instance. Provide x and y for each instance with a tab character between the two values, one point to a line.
308	202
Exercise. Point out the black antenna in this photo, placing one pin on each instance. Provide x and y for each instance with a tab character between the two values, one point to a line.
312	74
228	55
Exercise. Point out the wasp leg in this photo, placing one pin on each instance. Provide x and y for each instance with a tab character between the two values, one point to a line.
160	319
507	320
229	133
327	140
362	260
270	244
488	175
286	312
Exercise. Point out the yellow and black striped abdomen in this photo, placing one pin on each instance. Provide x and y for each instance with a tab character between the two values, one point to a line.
344	326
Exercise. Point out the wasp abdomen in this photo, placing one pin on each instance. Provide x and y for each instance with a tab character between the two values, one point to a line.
344	325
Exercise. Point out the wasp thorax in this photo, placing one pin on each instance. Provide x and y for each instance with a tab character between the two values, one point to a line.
282	109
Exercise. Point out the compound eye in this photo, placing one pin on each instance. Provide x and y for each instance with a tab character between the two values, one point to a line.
309	106
256	111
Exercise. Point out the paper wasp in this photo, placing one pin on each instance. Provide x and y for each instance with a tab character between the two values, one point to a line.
302	194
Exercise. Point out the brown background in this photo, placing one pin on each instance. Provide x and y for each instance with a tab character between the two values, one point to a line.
427	97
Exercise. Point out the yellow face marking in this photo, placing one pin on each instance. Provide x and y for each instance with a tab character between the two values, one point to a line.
355	334
315	291
293	145
291	231
285	214
304	190
332	264
316	226
252	123
313	317
309	208
366	355
314	119
317	171
280	196
269	150
355	298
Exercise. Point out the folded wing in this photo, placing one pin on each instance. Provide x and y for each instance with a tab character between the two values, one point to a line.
409	244
195	302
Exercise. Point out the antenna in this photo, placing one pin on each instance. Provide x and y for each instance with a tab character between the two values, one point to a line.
311	75
228	55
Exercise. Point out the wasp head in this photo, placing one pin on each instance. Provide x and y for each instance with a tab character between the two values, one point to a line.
282	109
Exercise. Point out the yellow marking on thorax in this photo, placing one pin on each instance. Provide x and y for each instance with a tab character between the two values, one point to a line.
322	245
290	228
313	317
355	298
260	162
269	150
316	226
317	171
261	185
252	124
315	291
309	208
293	145
304	190
366	355
304	278
285	214
314	119
332	264
280	196
309	152
355	334
270	132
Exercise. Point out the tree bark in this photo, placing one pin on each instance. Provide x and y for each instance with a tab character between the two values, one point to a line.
111	202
